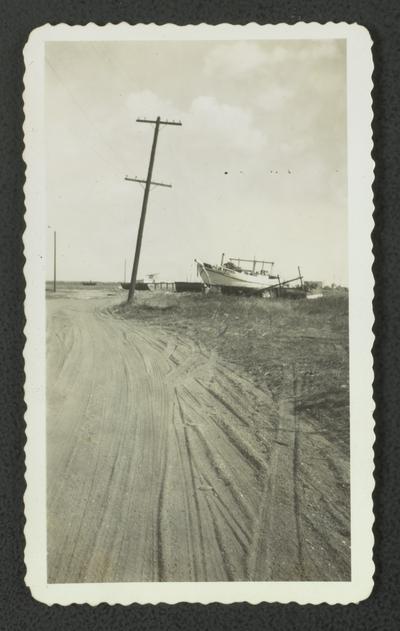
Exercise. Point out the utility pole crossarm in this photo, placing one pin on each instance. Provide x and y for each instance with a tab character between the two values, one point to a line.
148	183
136	179
153	122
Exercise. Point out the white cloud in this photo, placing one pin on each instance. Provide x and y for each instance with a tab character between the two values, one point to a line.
206	117
274	97
235	58
148	104
321	50
233	125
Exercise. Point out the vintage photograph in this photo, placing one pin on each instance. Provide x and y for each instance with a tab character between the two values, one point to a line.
196	288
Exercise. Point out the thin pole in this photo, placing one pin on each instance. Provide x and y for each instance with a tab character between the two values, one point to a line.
143	214
55	261
301	278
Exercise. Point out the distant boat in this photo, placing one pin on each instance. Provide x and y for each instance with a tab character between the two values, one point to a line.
139	285
89	283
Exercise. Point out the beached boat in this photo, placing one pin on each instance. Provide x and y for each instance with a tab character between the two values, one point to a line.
236	275
89	283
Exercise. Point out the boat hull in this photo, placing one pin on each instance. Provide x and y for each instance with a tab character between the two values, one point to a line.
138	286
231	279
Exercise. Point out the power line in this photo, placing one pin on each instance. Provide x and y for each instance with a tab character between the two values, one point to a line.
95	131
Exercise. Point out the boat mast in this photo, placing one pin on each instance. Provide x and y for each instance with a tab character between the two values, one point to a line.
300	277
254	261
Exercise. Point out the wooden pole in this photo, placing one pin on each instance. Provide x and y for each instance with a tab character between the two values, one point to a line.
148	183
55	261
301	278
143	214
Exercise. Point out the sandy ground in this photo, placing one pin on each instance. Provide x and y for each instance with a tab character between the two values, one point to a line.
166	463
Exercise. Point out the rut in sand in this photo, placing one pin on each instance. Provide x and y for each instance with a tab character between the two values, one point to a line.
165	464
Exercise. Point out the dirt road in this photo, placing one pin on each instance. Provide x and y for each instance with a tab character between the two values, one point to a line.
165	464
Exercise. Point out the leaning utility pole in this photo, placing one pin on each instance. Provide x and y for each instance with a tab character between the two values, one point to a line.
148	183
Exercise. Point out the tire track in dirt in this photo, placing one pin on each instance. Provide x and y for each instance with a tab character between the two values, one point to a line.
164	463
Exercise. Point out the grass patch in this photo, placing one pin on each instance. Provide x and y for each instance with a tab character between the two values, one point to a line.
292	348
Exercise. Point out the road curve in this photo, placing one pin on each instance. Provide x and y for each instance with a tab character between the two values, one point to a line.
165	464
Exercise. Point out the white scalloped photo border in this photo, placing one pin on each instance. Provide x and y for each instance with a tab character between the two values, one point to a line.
360	225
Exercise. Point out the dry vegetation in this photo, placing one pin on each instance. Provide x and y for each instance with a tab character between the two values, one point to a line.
295	349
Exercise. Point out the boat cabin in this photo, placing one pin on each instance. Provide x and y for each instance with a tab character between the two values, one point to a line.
263	268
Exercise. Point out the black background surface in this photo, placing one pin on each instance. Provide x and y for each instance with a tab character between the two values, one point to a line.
382	610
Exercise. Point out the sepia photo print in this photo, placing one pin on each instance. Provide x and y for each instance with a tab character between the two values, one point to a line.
196	222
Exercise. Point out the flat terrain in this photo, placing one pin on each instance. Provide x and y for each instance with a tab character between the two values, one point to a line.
187	442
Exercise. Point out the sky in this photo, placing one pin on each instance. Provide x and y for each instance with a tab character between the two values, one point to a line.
258	167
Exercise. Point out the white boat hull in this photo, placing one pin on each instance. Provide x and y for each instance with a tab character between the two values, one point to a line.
233	279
